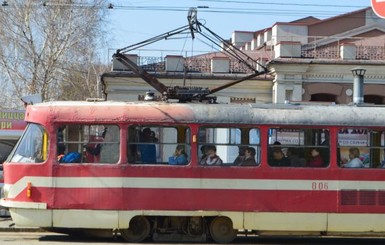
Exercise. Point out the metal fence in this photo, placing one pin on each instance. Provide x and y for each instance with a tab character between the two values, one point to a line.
366	48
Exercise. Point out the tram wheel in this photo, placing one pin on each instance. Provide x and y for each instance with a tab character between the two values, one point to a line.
221	230
138	231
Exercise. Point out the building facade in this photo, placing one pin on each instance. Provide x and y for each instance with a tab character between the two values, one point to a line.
308	60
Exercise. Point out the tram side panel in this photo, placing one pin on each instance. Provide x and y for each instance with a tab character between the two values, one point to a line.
264	198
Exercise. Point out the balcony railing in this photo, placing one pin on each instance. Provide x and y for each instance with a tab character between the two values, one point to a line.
370	53
191	64
371	48
314	52
361	48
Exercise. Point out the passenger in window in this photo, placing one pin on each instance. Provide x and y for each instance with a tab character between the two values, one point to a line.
295	160
203	153
179	157
276	145
95	148
355	161
382	164
147	151
153	137
71	157
60	141
279	159
325	152
211	157
249	159
317	160
241	155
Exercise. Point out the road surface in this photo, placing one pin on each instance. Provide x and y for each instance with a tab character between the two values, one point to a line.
48	238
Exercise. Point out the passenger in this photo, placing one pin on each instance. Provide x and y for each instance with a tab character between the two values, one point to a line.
316	160
382	164
203	153
147	151
276	145
179	157
249	159
295	160
279	159
60	141
153	137
325	151
354	162
96	148
71	157
241	155
211	157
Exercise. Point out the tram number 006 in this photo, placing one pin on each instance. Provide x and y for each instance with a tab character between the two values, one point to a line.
319	186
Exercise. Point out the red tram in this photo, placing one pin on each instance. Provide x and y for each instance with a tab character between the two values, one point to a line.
133	189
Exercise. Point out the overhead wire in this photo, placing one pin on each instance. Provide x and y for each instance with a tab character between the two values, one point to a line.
218	10
283	3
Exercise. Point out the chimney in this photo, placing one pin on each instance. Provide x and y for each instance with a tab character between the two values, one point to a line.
358	85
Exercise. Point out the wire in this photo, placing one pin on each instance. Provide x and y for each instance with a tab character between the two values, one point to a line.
244	11
283	4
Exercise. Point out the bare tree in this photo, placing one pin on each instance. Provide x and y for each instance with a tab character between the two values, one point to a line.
45	44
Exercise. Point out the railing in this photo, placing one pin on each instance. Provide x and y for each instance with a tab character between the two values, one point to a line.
150	63
191	64
370	53
371	48
314	52
365	48
333	52
202	65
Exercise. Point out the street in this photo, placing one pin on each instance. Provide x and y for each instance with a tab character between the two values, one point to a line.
12	235
33	238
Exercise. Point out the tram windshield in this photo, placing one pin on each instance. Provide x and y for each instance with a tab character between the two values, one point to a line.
32	146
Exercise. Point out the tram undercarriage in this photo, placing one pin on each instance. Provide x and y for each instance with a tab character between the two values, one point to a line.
181	229
168	229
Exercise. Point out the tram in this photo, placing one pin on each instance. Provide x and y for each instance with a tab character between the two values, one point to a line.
105	168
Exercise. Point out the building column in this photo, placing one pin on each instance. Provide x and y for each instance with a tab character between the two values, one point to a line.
287	87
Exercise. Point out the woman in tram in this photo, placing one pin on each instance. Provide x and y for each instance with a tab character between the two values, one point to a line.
179	157
249	159
317	160
211	157
355	161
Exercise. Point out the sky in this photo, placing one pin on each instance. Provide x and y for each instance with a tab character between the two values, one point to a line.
133	21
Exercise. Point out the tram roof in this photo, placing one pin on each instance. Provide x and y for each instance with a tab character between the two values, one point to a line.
163	112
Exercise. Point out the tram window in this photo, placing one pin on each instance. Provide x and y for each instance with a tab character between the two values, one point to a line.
32	147
361	148
153	144
88	143
229	146
294	147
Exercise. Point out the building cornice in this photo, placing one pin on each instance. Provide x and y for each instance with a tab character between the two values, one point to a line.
301	61
181	75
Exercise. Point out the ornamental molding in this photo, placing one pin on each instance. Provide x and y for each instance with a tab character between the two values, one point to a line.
323	75
375	77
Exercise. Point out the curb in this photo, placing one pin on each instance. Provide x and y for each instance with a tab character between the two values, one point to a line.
7	225
11	229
